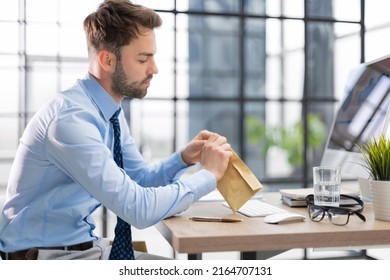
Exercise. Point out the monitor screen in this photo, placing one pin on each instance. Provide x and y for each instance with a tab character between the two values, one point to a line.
362	113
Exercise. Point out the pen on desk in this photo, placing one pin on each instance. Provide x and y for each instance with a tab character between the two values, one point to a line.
216	219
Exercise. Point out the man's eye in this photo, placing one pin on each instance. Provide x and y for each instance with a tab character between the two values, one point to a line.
142	61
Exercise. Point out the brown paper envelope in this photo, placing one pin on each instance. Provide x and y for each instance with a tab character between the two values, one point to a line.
239	184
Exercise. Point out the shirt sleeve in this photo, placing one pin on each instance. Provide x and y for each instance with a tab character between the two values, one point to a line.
76	144
146	174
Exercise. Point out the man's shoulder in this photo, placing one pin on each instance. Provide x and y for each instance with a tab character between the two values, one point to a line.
75	94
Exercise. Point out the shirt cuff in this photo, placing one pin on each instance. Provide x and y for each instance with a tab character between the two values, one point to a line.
201	183
181	159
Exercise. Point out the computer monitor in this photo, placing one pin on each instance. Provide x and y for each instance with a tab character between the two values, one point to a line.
362	113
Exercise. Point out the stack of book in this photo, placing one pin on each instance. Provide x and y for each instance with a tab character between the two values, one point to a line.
296	197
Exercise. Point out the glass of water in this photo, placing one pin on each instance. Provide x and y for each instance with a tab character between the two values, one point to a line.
326	181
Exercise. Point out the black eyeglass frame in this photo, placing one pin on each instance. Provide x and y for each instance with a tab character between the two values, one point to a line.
325	209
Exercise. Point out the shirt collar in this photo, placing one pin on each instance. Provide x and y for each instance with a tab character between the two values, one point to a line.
100	96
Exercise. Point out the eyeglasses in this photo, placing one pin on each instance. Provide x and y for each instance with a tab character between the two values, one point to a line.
336	215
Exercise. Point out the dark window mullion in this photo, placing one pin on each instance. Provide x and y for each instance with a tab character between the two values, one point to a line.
175	101
241	122
362	31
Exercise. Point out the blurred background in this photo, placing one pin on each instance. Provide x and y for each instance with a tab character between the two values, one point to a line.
267	74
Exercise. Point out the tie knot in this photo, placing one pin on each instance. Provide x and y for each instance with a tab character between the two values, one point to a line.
114	117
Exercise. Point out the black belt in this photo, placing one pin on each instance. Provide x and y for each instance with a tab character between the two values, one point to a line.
33	252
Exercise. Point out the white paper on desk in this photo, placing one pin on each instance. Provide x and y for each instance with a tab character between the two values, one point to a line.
216	196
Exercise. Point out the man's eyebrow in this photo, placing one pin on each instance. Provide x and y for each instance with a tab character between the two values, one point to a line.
146	54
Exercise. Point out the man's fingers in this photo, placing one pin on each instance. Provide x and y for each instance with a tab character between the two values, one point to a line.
217	139
227	147
204	135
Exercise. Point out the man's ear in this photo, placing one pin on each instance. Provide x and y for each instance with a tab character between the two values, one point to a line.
107	60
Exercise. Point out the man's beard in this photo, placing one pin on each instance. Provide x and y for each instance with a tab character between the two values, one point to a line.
122	86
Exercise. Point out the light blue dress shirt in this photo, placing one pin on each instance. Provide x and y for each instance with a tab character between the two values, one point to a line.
64	170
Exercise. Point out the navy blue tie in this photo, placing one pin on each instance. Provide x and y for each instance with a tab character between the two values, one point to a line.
122	248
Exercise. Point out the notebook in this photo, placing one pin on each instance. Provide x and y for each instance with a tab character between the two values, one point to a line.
296	197
303	192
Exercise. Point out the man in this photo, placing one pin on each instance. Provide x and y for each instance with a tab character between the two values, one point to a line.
66	165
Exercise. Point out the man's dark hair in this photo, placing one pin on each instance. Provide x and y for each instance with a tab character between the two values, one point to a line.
116	23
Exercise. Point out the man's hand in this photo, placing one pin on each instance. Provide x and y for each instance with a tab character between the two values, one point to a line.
211	150
191	153
216	153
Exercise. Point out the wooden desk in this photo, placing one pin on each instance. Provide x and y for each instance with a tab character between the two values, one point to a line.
253	234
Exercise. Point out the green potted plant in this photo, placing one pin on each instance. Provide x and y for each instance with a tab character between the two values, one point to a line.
287	138
376	160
